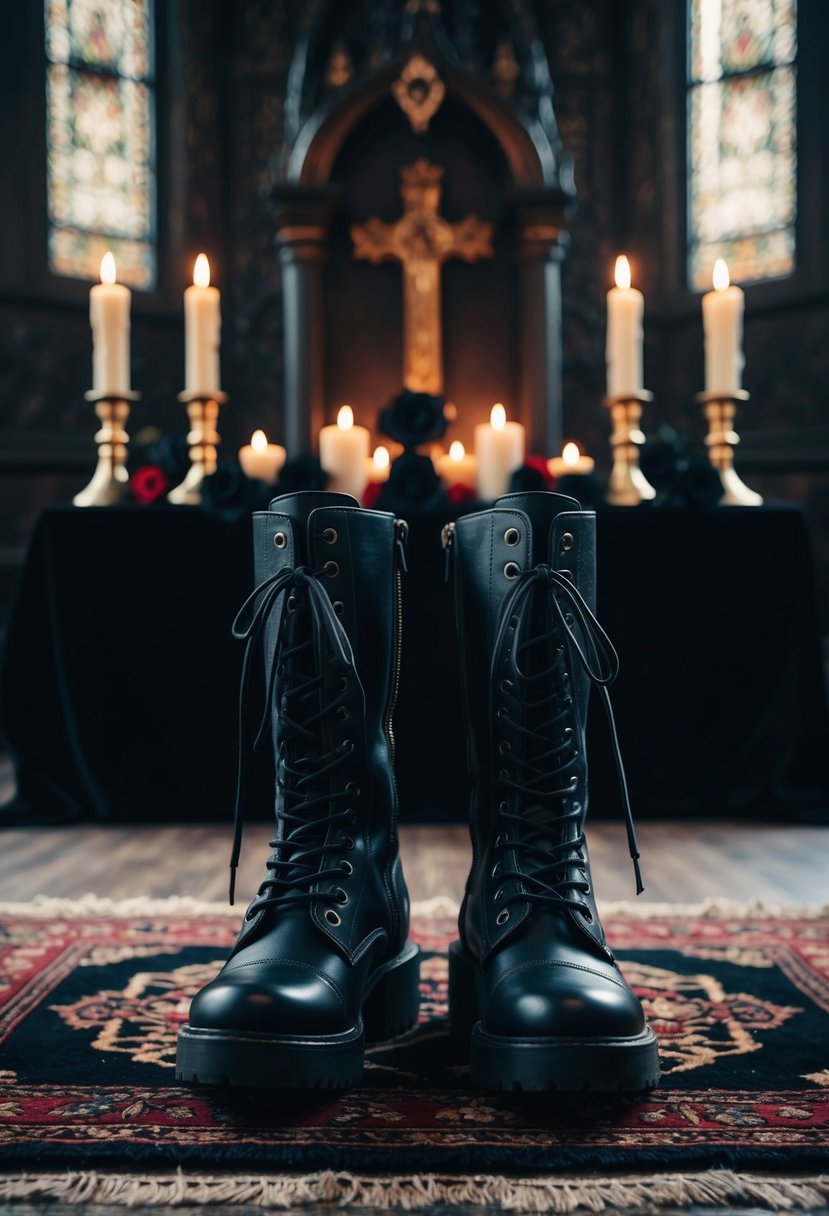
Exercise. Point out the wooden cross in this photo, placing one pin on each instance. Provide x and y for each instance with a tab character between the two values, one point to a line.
421	240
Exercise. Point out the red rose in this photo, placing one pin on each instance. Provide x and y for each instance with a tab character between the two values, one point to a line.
149	484
539	463
371	493
459	493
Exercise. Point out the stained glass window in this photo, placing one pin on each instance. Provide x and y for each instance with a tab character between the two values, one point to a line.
100	137
742	155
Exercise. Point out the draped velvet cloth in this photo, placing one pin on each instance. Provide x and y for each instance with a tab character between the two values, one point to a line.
120	677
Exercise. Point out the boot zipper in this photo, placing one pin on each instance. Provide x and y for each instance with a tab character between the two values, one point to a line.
447	539
401	535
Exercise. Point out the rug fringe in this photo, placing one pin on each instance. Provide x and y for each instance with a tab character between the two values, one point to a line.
440	906
559	1193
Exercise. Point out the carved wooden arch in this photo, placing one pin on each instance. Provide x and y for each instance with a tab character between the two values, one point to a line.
530	156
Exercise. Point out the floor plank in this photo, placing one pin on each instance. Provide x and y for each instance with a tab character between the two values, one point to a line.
682	862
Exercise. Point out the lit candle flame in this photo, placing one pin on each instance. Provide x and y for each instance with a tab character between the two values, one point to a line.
345	418
498	417
570	454
108	273
456	450
201	271
721	276
259	441
381	458
622	272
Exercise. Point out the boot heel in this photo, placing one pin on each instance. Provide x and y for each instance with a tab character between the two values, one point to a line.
393	1005
463	1005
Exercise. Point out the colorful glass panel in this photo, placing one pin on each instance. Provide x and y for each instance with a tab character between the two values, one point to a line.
101	182
742	139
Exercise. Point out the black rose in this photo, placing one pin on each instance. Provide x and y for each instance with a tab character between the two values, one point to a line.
302	473
413	418
699	484
230	494
412	483
663	459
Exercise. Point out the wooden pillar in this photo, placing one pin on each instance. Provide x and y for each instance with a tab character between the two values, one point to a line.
541	245
303	219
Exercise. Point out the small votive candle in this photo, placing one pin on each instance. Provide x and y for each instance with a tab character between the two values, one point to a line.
377	467
571	462
344	453
261	460
456	468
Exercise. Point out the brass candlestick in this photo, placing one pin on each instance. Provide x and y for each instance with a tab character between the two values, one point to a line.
628	484
721	441
110	479
202	438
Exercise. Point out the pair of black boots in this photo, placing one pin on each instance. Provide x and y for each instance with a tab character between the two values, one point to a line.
323	959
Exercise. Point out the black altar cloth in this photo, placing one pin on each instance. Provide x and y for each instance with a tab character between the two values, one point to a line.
119	688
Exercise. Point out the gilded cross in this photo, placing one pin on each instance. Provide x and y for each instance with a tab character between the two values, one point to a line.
422	240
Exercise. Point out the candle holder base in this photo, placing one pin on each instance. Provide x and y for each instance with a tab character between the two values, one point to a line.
202	440
110	481
721	441
628	485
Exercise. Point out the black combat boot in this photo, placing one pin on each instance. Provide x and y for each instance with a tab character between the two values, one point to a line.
532	977
322	959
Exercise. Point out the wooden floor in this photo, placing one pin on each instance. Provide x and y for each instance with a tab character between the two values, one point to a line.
682	862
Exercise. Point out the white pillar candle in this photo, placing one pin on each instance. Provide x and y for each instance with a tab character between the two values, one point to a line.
378	465
202	332
571	461
344	453
625	307
722	320
456	468
499	451
261	460
109	316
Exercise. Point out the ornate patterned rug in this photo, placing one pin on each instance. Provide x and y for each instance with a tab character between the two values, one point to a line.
92	994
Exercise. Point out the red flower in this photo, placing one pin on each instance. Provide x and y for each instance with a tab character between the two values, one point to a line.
371	493
459	493
149	484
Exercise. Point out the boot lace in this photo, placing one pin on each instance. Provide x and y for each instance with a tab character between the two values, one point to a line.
316	667
552	624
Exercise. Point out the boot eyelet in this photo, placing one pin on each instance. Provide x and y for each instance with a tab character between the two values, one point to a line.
342	712
503	774
504	747
568	731
339	607
567	541
501	838
280	540
502	917
573	782
341	895
331	569
290	605
330	536
343	683
513	622
348	746
568	618
512	570
346	867
588	915
498	894
496	869
347	844
353	789
333	917
503	714
507	685
575	752
512	536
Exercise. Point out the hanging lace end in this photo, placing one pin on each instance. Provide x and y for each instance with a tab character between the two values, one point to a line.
638	873
231	894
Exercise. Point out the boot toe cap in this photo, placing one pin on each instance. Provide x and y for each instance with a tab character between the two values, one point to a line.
289	999
549	1000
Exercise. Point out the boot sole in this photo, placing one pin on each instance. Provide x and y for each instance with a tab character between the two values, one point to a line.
567	1064
277	1061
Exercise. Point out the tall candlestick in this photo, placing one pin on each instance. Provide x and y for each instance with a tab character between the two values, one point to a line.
499	451
625	306
722	320
344	453
109	316
202	332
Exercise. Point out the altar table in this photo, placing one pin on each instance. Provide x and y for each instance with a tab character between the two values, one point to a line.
119	689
